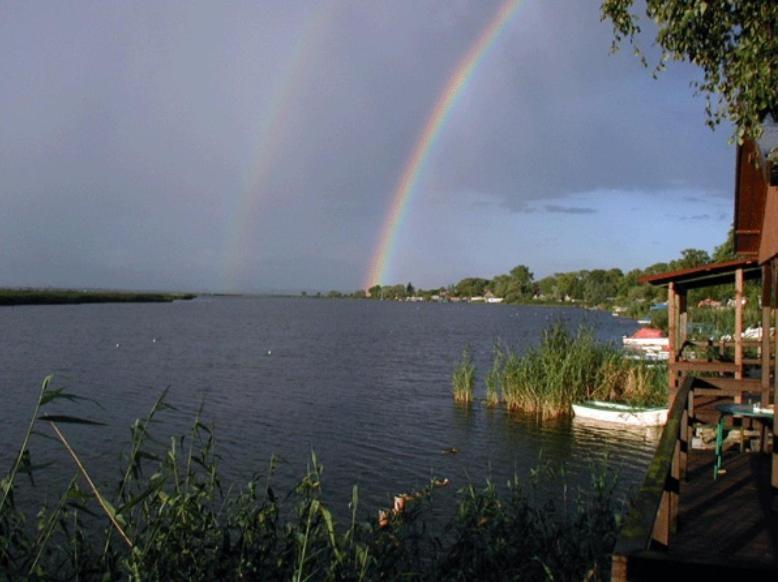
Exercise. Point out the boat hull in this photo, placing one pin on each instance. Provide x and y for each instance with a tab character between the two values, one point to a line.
620	413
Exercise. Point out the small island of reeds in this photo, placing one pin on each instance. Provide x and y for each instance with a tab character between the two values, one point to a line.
563	369
75	296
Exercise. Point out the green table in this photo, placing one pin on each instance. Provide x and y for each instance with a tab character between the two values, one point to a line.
736	411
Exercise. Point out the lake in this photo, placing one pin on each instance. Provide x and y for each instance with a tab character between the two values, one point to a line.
365	384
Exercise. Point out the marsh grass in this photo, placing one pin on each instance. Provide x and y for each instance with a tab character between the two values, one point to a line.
567	368
494	376
463	379
73	296
167	517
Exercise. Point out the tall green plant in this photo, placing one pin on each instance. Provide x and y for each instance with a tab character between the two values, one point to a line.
182	525
566	368
463	379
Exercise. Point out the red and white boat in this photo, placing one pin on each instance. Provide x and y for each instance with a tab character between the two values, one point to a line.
649	343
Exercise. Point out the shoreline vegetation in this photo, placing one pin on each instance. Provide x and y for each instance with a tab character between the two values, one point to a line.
167	517
564	369
711	309
73	296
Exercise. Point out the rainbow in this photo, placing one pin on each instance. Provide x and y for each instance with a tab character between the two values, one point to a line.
243	213
403	192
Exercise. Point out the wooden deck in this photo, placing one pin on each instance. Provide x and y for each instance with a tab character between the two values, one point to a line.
683	522
729	521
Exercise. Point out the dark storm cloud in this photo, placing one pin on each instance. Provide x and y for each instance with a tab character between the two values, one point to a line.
133	134
563	116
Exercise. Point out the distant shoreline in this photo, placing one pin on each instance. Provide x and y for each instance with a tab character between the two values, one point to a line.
10	297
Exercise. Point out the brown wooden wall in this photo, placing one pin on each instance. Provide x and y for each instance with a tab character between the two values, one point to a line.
769	245
750	199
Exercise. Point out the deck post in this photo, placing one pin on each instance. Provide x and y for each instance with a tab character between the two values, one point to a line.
689	419
619	569
774	303
683	318
738	326
765	346
672	330
685	437
681	331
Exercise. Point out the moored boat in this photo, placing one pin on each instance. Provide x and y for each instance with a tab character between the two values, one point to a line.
620	413
648	342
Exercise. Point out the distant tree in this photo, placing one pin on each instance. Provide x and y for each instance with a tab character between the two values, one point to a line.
691	258
394	291
733	42
569	285
516	286
375	292
599	285
471	287
409	290
548	287
629	281
656	268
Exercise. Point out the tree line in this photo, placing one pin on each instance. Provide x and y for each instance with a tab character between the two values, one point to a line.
603	288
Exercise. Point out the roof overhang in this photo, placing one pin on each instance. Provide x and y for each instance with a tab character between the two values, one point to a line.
706	275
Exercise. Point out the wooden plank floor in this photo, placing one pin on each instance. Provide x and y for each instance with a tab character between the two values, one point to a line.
729	520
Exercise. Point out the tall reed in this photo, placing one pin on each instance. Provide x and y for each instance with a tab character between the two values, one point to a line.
180	524
567	368
463	379
494	376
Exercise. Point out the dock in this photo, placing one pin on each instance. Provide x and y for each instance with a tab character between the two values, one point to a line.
683	521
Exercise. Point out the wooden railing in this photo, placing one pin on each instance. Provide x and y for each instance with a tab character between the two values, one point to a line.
654	513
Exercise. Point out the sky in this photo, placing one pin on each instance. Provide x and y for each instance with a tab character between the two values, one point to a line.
257	146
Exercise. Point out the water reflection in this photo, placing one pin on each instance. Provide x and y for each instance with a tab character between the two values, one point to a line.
365	384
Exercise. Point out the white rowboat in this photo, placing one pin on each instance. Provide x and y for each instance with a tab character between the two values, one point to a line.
620	413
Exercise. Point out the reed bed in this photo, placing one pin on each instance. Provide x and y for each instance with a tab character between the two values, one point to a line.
167	517
567	368
463	379
71	296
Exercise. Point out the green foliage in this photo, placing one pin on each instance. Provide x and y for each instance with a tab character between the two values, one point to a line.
463	379
603	288
567	368
515	287
180	524
691	258
494	376
471	287
733	42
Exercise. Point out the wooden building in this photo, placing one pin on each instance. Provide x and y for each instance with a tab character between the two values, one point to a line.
686	519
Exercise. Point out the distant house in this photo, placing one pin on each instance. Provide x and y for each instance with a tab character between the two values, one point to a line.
491	298
709	303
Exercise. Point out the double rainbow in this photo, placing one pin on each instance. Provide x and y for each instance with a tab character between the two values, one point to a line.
404	190
302	59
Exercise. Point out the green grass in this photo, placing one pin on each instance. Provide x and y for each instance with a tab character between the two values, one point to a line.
70	296
567	368
463	379
167	517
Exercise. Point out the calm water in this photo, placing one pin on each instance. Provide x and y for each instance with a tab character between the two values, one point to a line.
365	384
